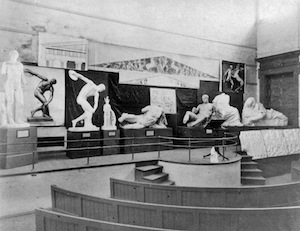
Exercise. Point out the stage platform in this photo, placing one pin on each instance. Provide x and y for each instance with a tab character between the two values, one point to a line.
144	139
63	163
198	171
18	146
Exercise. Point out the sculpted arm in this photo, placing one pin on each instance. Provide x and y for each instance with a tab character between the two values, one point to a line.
76	75
51	96
35	74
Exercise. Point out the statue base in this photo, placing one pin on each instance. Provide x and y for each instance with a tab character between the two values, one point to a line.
16	125
110	138
83	143
109	128
18	146
84	129
39	119
198	132
145	139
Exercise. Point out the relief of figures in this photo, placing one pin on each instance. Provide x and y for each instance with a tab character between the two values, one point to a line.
233	77
159	64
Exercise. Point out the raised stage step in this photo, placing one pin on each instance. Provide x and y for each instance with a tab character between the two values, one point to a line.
251	172
248	165
253	180
152	173
156	178
143	171
167	182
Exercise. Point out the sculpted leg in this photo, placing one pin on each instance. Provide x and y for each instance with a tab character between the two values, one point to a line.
19	101
9	93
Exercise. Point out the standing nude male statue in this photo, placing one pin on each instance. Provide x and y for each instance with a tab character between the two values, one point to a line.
90	89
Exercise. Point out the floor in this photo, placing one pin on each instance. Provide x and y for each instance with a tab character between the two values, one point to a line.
24	189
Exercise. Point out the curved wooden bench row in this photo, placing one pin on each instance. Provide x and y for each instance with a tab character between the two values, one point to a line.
236	197
53	221
175	217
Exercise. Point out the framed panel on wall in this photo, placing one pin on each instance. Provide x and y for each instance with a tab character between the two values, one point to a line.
166	98
62	51
233	77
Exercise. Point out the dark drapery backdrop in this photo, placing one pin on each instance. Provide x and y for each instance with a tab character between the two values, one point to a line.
132	98
127	98
73	110
212	89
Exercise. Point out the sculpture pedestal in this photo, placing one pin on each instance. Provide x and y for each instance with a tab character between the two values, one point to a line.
196	132
83	141
17	147
110	138
145	139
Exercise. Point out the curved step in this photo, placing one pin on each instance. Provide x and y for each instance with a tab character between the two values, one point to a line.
253	180
251	172
249	165
146	170
156	178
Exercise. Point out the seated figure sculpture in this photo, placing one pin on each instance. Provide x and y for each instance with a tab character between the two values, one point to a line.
223	110
152	117
109	116
254	114
199	116
89	89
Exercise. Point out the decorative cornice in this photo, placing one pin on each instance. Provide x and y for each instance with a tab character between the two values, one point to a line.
18	31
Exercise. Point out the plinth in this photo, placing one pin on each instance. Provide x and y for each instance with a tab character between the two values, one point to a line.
18	146
207	134
145	139
110	138
83	144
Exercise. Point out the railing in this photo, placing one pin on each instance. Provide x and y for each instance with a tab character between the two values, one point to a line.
161	143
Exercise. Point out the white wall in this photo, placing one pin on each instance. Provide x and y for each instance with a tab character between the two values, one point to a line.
211	30
278	29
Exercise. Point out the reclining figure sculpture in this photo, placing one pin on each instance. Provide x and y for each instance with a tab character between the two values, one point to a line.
152	117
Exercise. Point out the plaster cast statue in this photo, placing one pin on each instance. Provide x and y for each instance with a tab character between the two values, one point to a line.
199	115
43	86
254	114
109	116
214	156
14	71
153	117
3	111
88	90
223	110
